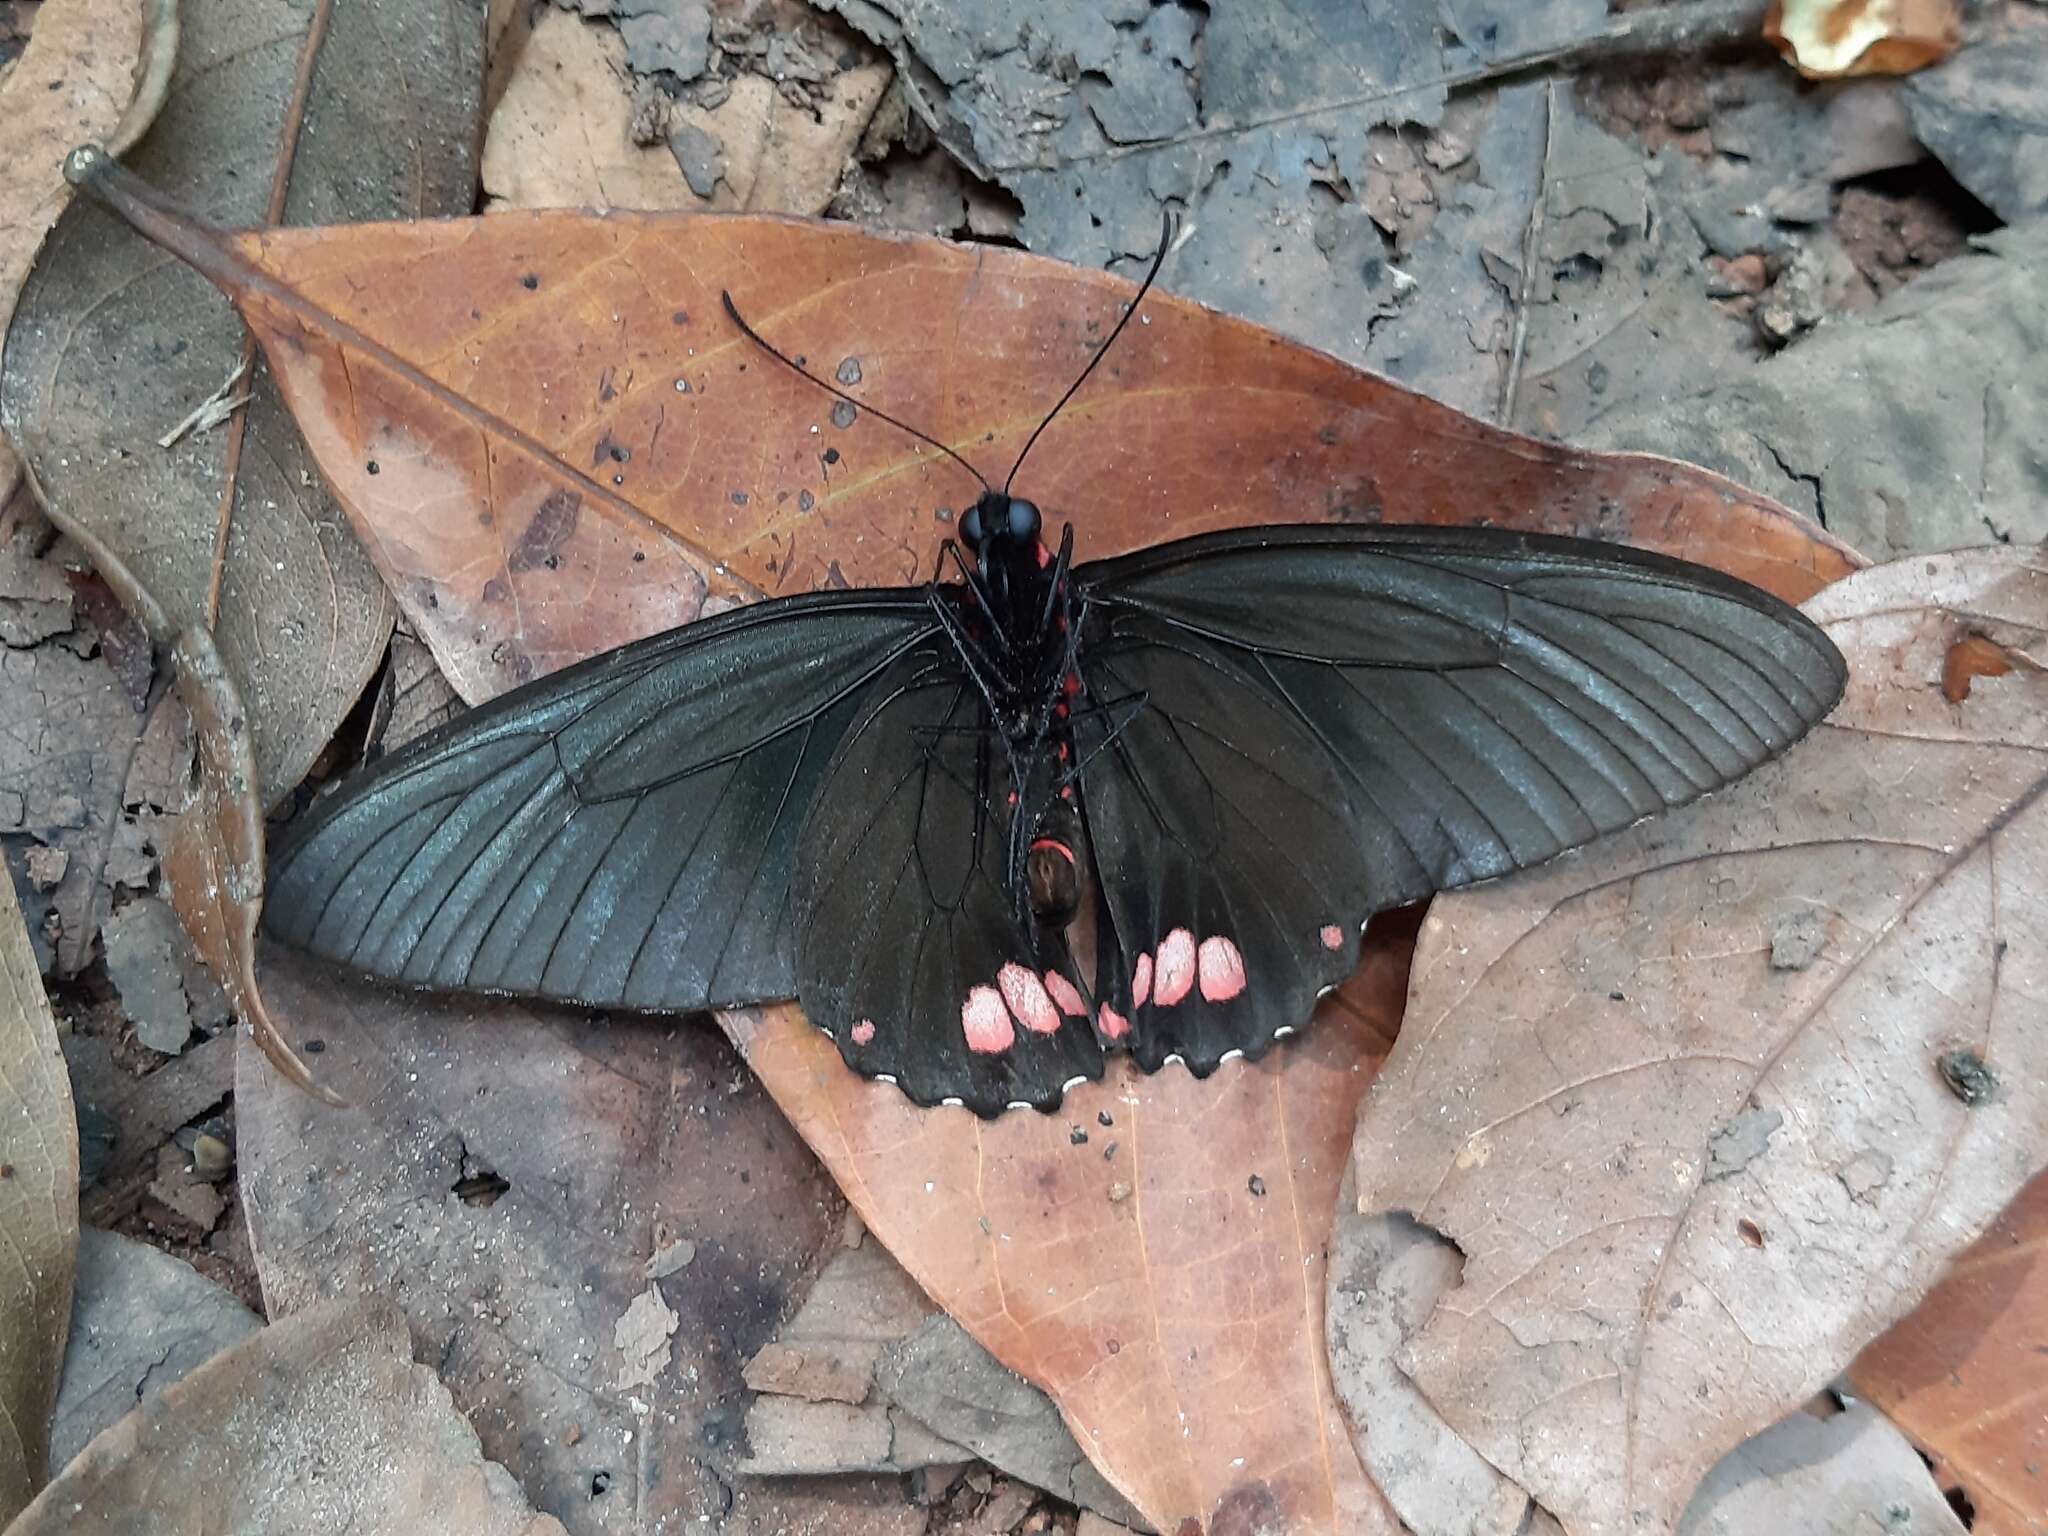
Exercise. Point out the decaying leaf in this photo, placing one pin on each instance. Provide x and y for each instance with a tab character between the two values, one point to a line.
1826	39
1581	1042
1962	1373
1844	1474
318	1423
75	83
38	1212
140	1320
612	1140
230	529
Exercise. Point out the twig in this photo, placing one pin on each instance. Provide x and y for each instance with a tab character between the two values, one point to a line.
210	412
1532	252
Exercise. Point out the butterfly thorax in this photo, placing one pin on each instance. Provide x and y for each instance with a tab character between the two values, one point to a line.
1013	622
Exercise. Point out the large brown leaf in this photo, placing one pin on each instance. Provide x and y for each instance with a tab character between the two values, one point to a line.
1707	1105
553	442
1964	1373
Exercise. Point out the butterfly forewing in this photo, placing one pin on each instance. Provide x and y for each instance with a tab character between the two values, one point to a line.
621	833
1289	729
913	948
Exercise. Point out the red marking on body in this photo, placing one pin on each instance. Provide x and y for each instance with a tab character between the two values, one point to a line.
1071	684
1114	1025
1176	976
1013	797
1055	845
1062	752
986	1022
1064	993
1141	982
864	1032
1044	555
1333	936
1221	968
1067	793
1028	999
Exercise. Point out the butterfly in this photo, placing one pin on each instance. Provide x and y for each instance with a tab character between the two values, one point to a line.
992	829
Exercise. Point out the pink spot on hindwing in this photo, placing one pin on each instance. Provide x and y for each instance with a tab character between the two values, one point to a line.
1333	936
864	1032
1176	973
986	1022
1221	967
1065	995
1141	982
1028	999
1113	1024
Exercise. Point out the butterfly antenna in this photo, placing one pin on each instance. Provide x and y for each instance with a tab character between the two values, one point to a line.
791	363
1158	260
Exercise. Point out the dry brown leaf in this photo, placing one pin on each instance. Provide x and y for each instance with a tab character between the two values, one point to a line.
318	1423
38	1212
1963	1374
1827	39
1708	1105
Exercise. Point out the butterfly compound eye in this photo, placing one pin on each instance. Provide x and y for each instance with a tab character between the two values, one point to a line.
971	530
1024	521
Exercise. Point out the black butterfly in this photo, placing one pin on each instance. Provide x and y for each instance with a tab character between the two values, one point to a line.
1221	754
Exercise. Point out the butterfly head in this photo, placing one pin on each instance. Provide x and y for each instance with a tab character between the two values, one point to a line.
999	523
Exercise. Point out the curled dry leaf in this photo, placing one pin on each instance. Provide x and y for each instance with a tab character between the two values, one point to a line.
38	1212
553	442
1708	1105
1962	1373
1826	39
214	864
318	1423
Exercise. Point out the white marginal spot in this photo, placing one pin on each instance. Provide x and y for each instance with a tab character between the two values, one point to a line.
1287	1029
886	1077
1175	1060
953	1101
1072	1083
1230	1055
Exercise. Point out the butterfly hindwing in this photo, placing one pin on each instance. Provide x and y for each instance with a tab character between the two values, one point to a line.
912	948
1288	729
619	833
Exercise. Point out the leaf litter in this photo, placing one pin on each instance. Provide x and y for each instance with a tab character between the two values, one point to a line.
409	385
1581	1043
